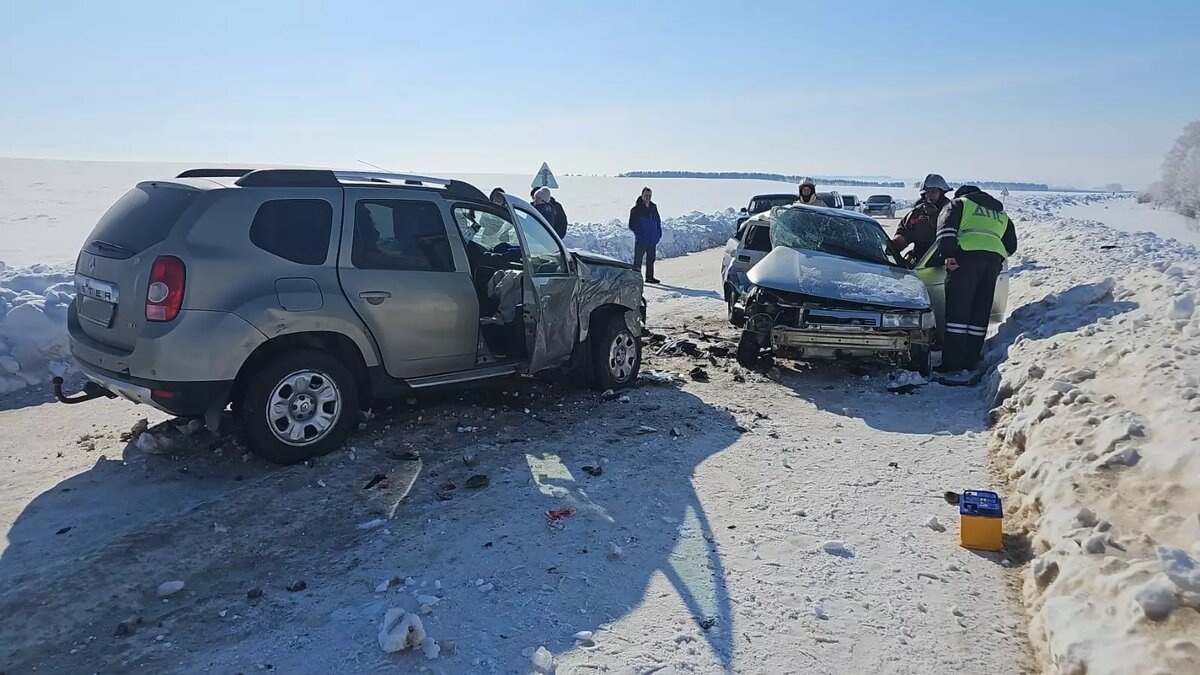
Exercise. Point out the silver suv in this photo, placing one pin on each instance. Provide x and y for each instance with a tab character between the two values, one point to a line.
299	295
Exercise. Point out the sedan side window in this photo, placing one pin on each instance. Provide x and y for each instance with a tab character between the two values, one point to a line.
758	238
545	255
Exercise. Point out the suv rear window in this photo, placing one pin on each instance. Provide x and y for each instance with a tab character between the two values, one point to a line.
294	229
400	234
139	220
879	199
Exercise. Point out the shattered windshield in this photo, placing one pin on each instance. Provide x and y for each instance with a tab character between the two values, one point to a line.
846	237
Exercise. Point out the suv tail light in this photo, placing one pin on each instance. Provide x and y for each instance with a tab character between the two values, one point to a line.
164	294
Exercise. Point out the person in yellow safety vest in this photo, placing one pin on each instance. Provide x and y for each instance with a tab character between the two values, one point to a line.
975	236
808	193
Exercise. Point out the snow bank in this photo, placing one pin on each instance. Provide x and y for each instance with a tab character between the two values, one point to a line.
1097	422
681	235
33	318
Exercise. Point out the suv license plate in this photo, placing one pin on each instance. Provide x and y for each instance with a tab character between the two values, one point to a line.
96	311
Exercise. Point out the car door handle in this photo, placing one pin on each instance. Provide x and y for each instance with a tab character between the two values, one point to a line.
374	297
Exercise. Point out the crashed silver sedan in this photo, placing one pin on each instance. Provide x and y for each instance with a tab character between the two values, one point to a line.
811	282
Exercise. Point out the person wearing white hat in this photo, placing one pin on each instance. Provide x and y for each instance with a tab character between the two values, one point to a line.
551	210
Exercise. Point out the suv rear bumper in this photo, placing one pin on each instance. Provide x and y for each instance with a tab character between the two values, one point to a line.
183	399
198	346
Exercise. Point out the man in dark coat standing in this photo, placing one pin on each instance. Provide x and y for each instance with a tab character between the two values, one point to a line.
551	210
646	226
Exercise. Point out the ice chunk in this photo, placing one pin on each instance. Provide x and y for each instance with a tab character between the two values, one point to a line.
400	630
151	444
1182	307
1095	544
934	524
431	648
838	548
1157	600
1179	568
169	588
1085	517
542	660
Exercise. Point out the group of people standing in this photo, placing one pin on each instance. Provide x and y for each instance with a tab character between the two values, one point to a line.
974	236
644	222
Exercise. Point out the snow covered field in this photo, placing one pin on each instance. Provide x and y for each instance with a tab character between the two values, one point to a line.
1127	215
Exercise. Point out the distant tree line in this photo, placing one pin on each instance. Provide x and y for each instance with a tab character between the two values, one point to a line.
758	175
999	185
1179	188
787	178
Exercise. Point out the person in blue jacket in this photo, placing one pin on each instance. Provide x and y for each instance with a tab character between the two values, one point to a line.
646	226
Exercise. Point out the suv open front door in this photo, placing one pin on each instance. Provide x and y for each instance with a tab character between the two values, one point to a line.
551	309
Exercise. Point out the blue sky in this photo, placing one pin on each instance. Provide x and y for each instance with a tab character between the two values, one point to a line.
1058	90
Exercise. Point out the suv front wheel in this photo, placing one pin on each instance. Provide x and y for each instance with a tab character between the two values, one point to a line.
616	354
299	405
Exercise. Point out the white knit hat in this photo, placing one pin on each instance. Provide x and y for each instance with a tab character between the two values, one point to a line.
542	192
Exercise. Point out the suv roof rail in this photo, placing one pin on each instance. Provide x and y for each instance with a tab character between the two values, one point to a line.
328	178
214	173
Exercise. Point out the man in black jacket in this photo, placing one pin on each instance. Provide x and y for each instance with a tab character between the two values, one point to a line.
551	210
975	236
918	226
646	226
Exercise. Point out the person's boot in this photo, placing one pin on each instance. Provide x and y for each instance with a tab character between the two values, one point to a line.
945	368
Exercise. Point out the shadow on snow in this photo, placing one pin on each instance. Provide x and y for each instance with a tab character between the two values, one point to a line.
136	522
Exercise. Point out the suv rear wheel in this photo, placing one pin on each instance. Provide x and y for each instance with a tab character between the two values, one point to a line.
299	405
616	354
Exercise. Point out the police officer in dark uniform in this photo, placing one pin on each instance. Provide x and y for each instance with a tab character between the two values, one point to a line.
918	227
975	236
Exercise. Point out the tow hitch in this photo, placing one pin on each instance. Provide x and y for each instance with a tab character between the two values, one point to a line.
91	390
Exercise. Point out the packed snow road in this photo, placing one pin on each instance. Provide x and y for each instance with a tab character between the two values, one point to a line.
778	523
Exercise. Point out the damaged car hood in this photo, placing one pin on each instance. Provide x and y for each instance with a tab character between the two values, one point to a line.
598	259
829	276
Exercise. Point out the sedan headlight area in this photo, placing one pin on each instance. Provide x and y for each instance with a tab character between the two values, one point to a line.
906	320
